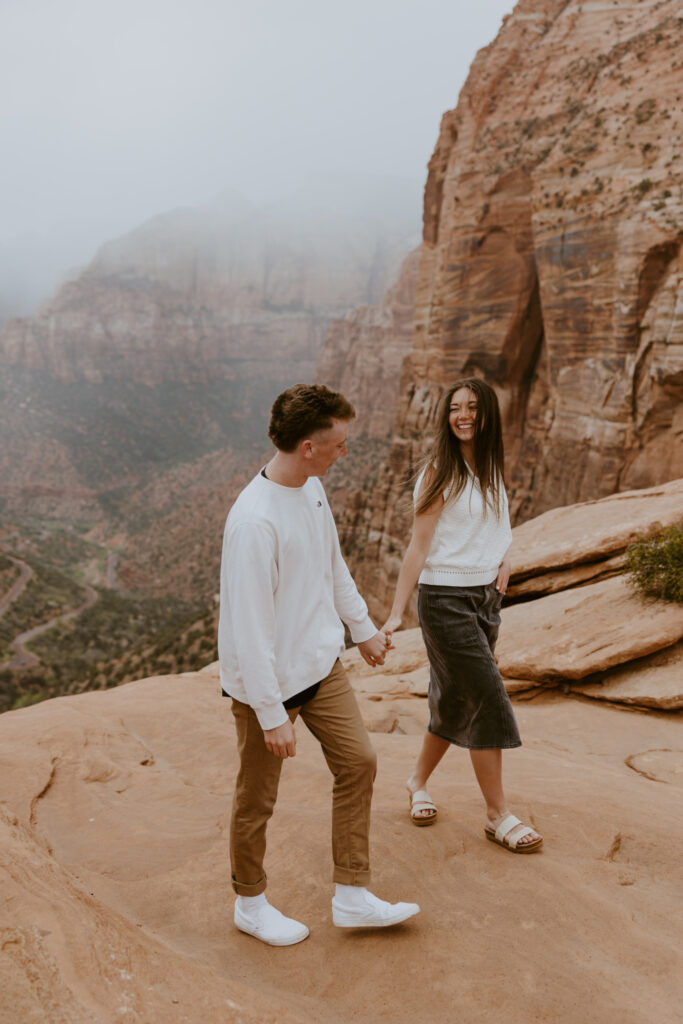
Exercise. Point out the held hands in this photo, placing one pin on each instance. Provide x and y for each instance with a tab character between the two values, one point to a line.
374	650
281	741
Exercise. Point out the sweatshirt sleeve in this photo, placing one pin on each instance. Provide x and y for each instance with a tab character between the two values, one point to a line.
249	577
350	606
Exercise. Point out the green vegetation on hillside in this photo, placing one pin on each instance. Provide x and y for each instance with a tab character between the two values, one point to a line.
124	635
48	593
9	574
124	639
60	547
656	564
107	630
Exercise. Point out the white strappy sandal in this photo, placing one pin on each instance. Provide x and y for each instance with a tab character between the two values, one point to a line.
501	835
420	800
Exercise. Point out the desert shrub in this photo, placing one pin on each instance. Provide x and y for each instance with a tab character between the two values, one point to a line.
656	564
643	187
645	110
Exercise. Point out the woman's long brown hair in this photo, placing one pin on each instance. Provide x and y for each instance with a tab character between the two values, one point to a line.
445	462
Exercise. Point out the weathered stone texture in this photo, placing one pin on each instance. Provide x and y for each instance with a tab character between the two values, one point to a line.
578	543
362	354
589	629
551	265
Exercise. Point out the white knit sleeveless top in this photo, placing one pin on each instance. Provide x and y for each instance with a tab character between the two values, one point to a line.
468	545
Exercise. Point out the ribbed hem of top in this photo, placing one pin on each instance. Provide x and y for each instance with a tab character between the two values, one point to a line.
458	577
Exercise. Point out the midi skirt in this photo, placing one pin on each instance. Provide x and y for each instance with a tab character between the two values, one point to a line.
468	703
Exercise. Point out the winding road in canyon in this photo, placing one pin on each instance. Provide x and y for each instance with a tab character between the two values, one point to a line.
22	657
26	572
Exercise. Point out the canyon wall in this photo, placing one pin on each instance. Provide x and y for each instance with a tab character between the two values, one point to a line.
551	266
363	352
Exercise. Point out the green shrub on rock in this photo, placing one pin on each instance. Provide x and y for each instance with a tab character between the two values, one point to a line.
656	564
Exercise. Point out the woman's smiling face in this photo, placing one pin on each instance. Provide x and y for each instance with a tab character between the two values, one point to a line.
462	416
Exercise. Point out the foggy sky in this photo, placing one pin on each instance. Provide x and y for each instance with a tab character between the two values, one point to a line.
114	110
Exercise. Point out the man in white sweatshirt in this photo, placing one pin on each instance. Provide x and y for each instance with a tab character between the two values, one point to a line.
285	594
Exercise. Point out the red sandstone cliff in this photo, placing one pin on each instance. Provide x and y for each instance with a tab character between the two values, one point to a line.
551	265
363	352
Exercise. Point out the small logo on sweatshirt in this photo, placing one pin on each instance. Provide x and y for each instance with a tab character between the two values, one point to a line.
319	504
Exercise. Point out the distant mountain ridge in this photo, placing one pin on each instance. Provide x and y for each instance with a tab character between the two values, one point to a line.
176	338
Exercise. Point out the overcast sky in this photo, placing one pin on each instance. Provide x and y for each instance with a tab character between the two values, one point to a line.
113	110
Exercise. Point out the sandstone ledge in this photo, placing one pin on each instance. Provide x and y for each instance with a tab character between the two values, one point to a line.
117	903
654	682
578	632
589	538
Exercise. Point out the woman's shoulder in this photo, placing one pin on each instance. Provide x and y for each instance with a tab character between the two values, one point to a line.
424	479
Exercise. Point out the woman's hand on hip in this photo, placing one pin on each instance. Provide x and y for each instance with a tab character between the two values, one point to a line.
503	577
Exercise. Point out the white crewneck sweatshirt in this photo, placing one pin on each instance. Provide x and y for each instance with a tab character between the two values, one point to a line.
285	589
469	542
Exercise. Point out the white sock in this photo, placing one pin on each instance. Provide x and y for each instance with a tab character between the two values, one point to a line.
249	904
350	895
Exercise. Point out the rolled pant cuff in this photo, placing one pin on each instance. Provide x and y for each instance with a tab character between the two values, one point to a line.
250	890
346	876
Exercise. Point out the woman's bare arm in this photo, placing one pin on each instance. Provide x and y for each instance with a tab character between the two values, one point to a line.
414	559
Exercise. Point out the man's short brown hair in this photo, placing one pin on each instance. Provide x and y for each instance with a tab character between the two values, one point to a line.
302	410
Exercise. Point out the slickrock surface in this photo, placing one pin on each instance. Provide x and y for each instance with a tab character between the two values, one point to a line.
584	630
551	264
578	542
116	902
626	649
654	682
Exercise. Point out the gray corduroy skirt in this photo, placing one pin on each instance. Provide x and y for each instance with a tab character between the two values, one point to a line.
468	704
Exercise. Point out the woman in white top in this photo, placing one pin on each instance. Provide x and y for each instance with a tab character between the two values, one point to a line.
460	539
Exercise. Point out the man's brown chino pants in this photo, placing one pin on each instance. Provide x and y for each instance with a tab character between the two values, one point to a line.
333	717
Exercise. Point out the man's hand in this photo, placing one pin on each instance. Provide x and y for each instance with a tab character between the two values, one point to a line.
281	741
374	650
503	577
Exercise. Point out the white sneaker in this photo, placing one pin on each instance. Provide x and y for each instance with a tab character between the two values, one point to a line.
269	925
371	912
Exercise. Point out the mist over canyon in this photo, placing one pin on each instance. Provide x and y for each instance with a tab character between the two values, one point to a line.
134	405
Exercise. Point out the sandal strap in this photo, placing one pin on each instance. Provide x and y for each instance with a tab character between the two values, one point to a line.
514	840
506	825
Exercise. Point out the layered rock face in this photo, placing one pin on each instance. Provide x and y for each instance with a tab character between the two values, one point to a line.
362	357
175	340
363	352
551	264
